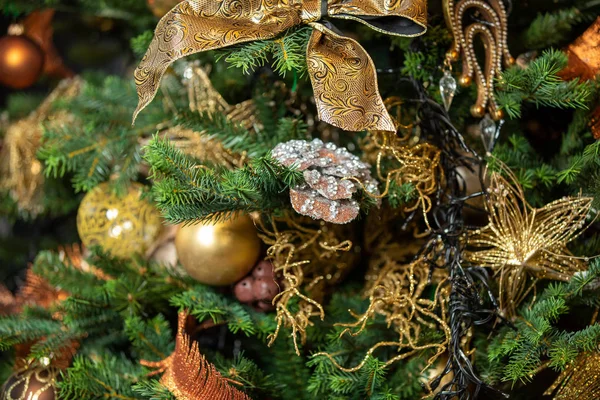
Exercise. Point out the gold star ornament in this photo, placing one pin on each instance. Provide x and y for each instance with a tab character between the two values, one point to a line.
522	244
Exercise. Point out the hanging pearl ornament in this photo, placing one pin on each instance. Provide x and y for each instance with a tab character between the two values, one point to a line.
123	226
219	253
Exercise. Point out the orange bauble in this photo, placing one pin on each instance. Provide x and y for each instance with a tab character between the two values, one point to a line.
21	62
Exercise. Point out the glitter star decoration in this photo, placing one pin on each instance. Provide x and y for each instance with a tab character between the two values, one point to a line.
522	242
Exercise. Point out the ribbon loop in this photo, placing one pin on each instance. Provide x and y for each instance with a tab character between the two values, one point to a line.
341	71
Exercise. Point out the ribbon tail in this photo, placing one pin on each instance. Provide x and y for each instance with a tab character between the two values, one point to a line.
193	26
344	82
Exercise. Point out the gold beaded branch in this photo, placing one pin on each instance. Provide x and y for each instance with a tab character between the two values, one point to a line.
308	255
397	293
522	242
493	32
418	165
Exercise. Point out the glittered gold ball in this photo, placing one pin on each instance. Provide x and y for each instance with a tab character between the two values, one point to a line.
477	111
160	7
465	80
219	253
121	225
21	62
37	383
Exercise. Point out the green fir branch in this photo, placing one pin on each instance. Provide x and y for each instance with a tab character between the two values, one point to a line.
539	84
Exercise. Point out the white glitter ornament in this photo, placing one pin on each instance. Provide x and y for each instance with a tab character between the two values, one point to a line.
326	193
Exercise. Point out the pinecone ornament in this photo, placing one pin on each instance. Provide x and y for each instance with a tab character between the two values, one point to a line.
327	191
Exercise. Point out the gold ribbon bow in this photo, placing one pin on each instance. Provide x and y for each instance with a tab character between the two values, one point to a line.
342	73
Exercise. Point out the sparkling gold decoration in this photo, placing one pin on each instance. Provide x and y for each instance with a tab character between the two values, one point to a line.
492	28
417	164
584	55
204	98
397	293
307	257
123	226
342	73
521	241
580	380
21	62
188	375
31	383
20	171
219	253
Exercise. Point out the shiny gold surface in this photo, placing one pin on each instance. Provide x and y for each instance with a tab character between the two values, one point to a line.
342	73
123	226
221	253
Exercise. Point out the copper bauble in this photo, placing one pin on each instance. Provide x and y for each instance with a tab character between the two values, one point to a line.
160	7
219	253
21	62
32	383
122	225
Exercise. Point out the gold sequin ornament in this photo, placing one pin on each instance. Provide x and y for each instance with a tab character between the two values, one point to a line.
580	380
219	253
123	226
31	383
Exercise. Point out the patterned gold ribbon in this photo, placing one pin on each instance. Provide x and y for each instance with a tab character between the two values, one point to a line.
342	73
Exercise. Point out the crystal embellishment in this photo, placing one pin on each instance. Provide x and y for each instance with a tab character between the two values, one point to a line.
447	89
489	132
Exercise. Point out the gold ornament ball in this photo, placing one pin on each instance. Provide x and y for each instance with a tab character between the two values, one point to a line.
477	111
21	62
498	115
160	7
453	55
219	253
465	80
34	383
122	226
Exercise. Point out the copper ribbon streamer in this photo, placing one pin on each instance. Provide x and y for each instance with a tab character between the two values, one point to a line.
342	73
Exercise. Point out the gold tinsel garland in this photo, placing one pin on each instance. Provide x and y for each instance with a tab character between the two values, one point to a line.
20	171
521	241
396	291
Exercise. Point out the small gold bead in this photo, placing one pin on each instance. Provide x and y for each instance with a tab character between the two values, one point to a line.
477	111
511	60
465	80
453	55
498	114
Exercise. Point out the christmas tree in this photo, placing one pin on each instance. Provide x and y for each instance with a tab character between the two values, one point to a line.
299	200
